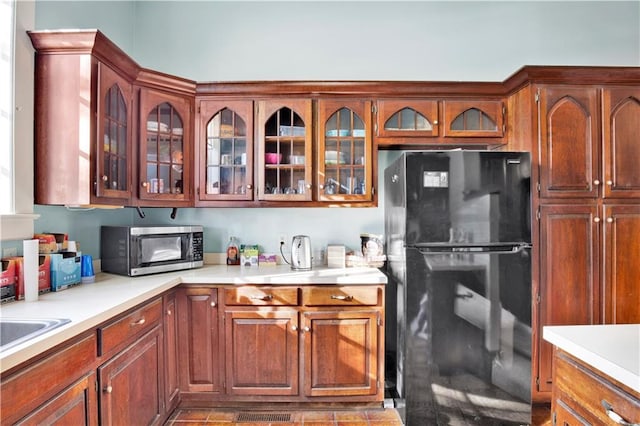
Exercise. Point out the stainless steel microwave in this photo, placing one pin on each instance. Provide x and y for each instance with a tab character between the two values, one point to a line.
142	250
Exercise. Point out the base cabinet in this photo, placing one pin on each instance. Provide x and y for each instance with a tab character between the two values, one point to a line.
76	405
283	343
131	384
582	395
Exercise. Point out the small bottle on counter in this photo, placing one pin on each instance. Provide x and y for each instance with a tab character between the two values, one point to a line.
233	252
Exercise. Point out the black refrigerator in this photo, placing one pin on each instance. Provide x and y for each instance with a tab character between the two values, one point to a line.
458	242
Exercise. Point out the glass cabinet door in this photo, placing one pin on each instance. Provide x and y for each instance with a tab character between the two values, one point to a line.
226	152
113	174
473	118
285	150
407	118
164	160
345	151
165	147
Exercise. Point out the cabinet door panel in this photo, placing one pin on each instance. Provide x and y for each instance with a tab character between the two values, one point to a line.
166	144
131	384
407	118
622	264
345	151
569	142
225	150
621	121
262	352
199	340
351	367
285	150
76	405
114	140
473	118
569	265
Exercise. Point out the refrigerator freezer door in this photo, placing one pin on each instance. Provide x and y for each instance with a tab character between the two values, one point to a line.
462	197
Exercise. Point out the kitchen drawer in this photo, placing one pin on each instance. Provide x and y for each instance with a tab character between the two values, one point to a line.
124	330
343	296
250	295
584	390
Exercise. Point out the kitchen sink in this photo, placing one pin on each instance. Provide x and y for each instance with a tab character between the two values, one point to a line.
14	331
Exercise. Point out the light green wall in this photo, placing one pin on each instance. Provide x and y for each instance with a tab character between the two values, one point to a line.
227	41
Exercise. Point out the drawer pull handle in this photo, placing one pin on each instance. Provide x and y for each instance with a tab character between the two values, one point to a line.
341	297
139	322
108	389
266	297
615	416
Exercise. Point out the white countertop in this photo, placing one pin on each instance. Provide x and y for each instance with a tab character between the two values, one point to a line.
611	349
88	305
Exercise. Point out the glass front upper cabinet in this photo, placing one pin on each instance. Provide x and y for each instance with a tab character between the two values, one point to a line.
113	174
473	118
165	147
226	153
285	150
407	118
344	151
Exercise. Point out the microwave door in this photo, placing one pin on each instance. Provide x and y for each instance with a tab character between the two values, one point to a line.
160	249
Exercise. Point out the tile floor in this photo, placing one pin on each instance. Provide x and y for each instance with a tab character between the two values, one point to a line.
222	417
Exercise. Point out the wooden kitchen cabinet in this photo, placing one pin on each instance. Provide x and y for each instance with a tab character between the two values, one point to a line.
131	376
473	118
76	405
569	142
201	366
621	292
569	281
166	149
589	209
583	395
57	389
351	367
345	151
407	118
621	149
350	320
131	383
83	119
224	152
285	165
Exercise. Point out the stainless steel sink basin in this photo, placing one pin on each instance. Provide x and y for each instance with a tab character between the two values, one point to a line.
14	331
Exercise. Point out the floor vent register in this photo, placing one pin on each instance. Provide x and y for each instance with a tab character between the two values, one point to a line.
244	417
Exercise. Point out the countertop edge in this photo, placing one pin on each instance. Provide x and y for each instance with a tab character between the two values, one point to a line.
553	335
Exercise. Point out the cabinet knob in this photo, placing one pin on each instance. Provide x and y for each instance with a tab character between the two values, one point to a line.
308	186
321	186
294	328
596	182
435	121
168	311
213	304
105	178
108	389
596	219
306	329
609	220
610	182
145	184
249	187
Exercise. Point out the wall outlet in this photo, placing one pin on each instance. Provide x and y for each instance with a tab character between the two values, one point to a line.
9	251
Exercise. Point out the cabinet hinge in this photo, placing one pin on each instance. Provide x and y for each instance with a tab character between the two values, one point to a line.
377	384
198	110
373	190
538	381
537	96
538	187
553	418
379	322
375	128
538	214
537	301
374	108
